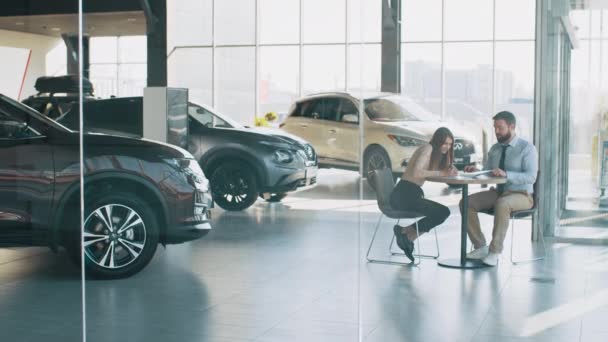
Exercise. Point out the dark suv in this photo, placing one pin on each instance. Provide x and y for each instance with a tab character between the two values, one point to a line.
137	193
242	163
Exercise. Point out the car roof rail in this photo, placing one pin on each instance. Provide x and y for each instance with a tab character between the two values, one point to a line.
329	93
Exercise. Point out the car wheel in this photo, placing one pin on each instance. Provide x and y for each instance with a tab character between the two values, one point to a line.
120	236
274	197
376	159
233	186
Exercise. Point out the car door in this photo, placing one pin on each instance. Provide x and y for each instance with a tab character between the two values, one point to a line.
26	180
344	133
309	121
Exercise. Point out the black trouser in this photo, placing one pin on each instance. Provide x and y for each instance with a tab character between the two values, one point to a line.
408	196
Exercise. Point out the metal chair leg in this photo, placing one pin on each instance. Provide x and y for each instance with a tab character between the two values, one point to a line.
382	261
513	261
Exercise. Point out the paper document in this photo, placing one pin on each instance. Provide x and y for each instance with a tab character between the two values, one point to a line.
475	174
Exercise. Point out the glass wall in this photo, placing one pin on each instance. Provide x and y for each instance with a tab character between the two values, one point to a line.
589	103
318	48
41	288
467	68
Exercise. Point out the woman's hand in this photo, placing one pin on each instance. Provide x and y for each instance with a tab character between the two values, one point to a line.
449	172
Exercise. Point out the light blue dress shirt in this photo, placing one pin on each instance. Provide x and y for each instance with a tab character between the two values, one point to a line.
521	164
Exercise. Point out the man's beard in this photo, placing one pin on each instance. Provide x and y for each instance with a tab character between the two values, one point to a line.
504	138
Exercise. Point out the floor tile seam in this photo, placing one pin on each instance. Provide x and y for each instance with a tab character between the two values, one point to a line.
289	315
490	308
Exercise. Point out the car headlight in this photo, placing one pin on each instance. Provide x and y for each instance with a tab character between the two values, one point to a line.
192	170
406	141
283	156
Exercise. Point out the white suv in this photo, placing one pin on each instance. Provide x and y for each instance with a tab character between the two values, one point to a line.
393	127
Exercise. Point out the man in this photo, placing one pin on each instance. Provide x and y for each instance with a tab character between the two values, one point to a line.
517	160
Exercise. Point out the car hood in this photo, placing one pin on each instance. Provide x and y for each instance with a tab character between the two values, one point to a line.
424	129
162	150
258	134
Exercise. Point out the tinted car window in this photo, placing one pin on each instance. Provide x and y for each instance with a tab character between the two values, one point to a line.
207	118
323	109
347	107
11	128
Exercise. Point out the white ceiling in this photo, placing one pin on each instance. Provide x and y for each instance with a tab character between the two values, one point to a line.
94	24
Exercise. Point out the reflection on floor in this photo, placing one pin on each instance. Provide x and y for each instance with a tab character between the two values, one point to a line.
295	271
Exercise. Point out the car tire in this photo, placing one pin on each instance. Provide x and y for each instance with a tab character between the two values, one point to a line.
274	197
128	251
233	186
375	158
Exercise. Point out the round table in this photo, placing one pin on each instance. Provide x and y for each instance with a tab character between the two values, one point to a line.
464	181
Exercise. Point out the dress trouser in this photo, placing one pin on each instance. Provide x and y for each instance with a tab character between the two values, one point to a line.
408	196
503	206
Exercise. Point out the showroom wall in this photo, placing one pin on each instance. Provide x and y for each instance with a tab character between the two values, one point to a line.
464	67
12	73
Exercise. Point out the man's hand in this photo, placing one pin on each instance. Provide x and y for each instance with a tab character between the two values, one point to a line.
499	173
470	168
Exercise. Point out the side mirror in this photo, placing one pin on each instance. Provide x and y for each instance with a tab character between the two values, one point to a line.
350	118
200	110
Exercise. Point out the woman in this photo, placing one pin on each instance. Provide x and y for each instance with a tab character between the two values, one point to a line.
433	159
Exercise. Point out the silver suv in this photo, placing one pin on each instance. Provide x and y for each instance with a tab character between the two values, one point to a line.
393	127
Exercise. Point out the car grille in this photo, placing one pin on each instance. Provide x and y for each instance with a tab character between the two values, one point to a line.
463	147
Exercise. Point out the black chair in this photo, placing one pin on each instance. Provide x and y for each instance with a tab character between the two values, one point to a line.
383	182
519	214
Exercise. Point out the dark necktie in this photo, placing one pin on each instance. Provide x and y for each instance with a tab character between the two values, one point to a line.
501	165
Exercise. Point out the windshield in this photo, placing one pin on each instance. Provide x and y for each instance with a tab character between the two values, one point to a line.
211	119
31	116
396	108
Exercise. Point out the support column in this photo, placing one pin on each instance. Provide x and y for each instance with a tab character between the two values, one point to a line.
156	23
71	43
391	46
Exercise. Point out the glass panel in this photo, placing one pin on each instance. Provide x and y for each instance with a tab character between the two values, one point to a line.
580	20
132	49
103	50
421	74
279	79
235	75
227	13
40	279
323	21
468	81
279	21
105	79
364	68
421	20
189	23
514	83
132	79
365	21
596	23
192	68
461	25
323	68
515	19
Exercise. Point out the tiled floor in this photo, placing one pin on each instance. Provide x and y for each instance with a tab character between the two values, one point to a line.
295	271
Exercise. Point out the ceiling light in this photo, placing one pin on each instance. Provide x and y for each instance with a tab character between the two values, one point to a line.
20	23
131	20
55	29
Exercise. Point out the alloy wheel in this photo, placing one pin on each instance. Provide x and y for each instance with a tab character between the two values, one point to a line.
114	236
